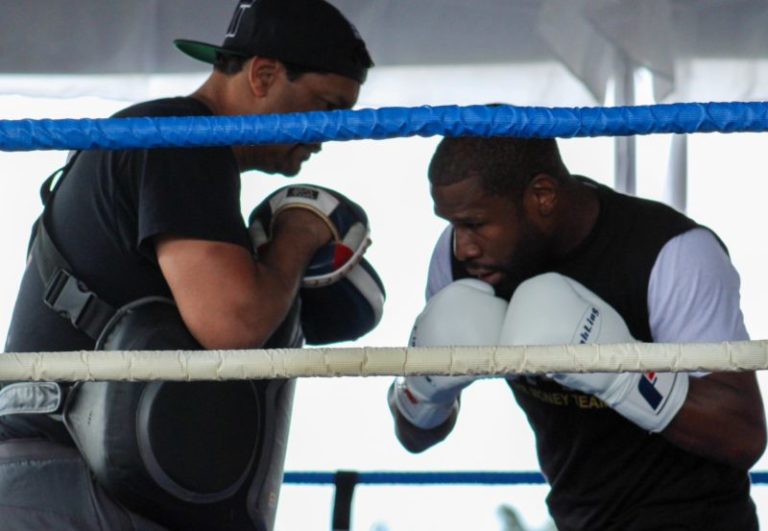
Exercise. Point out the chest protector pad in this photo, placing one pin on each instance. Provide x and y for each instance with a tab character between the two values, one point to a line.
189	455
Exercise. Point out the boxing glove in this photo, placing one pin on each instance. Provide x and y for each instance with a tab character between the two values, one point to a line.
552	309
463	313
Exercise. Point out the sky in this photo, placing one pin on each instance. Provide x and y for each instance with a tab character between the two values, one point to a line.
344	423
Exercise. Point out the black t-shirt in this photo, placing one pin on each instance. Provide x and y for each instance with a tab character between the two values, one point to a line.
103	218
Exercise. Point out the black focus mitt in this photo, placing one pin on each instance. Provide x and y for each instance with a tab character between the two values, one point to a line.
344	310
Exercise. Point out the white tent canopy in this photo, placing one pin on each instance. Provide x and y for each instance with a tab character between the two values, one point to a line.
698	49
537	52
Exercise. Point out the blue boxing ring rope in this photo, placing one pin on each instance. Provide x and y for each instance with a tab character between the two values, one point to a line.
383	123
391	122
424	478
345	482
464	477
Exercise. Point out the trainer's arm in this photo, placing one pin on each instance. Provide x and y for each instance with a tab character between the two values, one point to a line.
226	298
693	296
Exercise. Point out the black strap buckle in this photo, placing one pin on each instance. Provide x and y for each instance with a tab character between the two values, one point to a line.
67	296
71	299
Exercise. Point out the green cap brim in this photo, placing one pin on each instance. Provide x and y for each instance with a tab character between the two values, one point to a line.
201	51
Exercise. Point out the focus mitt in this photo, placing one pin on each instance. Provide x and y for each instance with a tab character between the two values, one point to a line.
344	310
346	220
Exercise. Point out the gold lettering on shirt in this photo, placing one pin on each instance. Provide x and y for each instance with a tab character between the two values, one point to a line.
588	401
562	398
556	399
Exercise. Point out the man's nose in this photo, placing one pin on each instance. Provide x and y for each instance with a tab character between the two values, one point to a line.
465	246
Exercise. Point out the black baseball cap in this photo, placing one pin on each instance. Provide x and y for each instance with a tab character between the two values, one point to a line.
309	33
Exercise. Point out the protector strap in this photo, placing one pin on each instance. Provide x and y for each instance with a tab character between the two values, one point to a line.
64	293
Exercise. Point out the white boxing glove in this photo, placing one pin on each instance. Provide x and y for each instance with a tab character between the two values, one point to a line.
552	309
463	313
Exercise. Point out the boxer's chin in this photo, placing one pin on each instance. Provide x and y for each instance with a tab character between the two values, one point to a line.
508	283
494	278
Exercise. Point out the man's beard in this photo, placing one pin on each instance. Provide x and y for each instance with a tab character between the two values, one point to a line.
528	260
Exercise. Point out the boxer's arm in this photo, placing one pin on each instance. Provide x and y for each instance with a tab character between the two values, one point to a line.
693	292
722	418
693	296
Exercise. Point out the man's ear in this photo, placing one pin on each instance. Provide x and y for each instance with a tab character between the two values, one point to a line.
541	195
262	74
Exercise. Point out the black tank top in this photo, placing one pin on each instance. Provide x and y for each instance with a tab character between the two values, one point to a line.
605	472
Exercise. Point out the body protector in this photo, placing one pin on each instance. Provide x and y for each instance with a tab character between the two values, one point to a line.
188	455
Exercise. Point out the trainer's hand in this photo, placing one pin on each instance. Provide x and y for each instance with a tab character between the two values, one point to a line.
344	219
296	221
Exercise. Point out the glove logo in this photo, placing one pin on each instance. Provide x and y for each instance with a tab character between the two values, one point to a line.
410	396
414	334
589	324
647	389
304	193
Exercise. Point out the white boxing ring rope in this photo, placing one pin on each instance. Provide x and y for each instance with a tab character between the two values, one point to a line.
24	135
382	361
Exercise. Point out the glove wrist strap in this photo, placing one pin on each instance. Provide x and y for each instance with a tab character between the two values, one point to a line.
419	411
651	400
